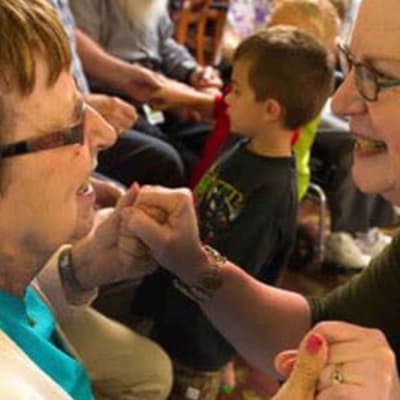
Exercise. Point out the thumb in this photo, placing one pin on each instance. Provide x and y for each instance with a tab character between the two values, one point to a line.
129	198
312	356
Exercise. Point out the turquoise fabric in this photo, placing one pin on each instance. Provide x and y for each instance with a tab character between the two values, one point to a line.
30	323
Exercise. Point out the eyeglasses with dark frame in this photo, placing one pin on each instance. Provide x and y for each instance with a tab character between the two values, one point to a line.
369	82
73	135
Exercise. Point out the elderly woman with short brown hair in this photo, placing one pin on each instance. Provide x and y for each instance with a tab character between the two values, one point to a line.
49	140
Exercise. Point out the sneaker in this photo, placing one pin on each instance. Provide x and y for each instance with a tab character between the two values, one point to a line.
372	242
342	251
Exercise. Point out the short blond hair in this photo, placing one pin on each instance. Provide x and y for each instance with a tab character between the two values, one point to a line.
317	17
29	28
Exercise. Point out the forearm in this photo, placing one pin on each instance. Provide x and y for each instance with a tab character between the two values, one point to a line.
201	102
257	319
81	259
174	95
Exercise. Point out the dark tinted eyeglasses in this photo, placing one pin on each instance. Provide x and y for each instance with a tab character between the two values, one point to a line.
73	135
368	81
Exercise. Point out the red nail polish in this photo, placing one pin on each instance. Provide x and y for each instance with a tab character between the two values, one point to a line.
314	343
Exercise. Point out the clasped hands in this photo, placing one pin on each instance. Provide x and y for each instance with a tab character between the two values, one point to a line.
335	360
193	102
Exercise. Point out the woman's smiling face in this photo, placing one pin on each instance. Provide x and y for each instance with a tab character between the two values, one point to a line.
376	125
45	192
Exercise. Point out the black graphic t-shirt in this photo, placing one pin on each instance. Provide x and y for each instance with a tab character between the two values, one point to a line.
247	207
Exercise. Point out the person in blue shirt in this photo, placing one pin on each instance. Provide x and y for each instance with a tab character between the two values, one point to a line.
49	141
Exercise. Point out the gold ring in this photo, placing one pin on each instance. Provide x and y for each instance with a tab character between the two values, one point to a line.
337	377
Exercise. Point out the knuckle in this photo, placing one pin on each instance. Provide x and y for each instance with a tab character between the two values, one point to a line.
386	356
184	193
115	103
148	189
114	100
377	335
321	326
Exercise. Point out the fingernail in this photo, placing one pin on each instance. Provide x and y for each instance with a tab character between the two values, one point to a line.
314	343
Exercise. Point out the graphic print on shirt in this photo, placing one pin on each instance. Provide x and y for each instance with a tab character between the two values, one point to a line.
218	205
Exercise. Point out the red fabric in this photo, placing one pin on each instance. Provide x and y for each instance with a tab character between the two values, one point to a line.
295	137
215	140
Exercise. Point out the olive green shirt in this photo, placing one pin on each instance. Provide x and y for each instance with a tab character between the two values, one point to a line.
370	299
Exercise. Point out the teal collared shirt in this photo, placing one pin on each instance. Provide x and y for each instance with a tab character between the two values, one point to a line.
31	325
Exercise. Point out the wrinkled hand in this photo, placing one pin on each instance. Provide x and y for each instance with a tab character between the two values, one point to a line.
205	77
140	83
171	95
364	359
107	255
305	369
118	113
175	242
183	101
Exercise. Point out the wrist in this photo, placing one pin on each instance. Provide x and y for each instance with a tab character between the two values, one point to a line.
74	292
206	277
67	271
79	262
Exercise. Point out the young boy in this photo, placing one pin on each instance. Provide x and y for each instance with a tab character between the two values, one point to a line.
247	202
320	19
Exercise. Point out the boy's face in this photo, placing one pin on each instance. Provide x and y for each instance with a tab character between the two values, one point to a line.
245	113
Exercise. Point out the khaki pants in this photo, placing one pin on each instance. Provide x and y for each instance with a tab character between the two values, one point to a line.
122	364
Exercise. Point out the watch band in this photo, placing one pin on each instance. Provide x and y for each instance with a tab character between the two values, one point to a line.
66	271
209	282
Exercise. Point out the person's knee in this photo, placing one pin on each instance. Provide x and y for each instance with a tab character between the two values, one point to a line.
174	168
154	372
164	374
152	376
